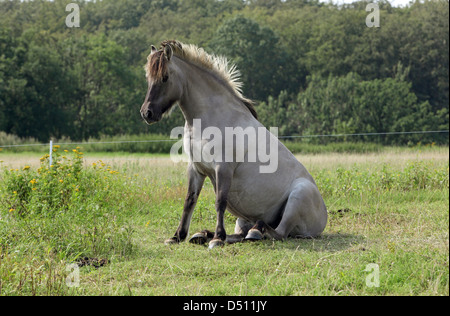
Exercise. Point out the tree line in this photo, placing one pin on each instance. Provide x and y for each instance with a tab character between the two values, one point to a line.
312	68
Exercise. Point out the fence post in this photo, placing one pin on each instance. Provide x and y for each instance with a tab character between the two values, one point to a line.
50	154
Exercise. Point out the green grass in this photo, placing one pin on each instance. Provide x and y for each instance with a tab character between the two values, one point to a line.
388	208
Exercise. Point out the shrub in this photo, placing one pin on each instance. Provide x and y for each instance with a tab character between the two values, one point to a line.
65	207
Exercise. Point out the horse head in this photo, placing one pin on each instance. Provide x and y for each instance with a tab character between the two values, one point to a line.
164	88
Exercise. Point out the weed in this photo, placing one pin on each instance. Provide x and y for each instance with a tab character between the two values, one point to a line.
66	207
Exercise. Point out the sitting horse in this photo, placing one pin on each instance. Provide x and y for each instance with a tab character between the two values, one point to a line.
280	202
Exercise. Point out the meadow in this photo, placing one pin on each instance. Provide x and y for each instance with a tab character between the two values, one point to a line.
103	217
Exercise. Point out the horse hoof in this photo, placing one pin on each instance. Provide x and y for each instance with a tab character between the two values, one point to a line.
198	239
253	235
171	241
216	243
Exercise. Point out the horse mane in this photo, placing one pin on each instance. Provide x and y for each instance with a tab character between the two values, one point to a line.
156	67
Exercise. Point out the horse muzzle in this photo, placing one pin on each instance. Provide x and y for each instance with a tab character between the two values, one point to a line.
149	115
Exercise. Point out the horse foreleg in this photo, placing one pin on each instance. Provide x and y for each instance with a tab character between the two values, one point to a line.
240	231
195	185
224	175
201	237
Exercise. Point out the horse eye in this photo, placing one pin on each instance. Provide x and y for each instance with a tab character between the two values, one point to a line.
165	78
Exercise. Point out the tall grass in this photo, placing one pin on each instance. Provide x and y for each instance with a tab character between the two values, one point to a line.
143	143
13	140
61	212
387	213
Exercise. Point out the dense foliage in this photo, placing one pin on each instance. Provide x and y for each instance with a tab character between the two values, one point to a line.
312	68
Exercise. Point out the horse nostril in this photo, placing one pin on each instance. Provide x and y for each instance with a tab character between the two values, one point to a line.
149	113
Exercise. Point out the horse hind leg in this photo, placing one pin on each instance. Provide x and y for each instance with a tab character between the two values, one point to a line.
240	231
259	231
305	214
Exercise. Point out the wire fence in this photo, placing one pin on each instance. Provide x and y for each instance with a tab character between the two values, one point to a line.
92	143
364	134
175	140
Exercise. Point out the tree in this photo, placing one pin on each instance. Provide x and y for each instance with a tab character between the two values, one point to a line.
107	99
345	105
89	81
265	66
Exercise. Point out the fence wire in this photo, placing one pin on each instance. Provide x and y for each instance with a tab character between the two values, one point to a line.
280	137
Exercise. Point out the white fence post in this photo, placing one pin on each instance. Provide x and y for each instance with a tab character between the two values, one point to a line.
50	154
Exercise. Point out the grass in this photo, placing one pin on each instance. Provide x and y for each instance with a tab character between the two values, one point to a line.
388	208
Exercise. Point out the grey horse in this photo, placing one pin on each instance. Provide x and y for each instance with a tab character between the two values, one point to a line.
280	201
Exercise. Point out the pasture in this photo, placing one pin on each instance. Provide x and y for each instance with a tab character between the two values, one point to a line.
387	233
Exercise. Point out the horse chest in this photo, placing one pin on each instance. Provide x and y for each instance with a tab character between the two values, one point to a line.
206	169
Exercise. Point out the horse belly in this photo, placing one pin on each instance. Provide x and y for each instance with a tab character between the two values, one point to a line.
260	196
257	200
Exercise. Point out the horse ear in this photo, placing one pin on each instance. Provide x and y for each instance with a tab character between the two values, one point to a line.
168	52
154	50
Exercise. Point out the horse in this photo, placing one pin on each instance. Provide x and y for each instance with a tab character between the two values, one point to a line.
277	202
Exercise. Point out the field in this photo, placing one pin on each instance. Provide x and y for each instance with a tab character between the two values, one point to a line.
388	229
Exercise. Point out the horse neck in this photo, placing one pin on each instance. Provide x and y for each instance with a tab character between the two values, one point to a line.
203	93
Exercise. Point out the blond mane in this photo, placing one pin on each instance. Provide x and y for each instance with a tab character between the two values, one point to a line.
156	66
